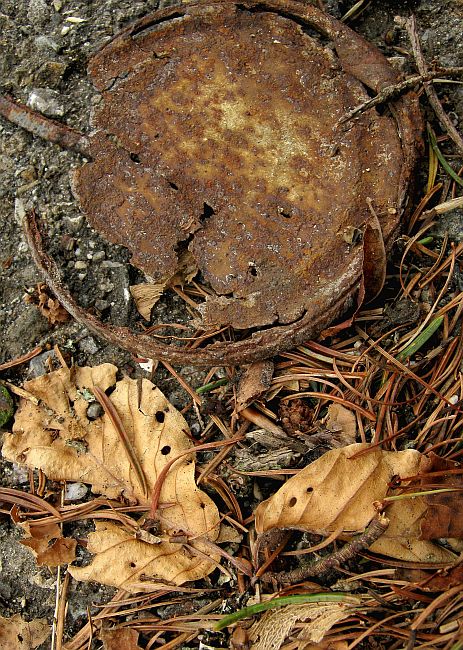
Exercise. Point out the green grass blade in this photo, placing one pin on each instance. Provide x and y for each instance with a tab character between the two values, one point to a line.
297	599
421	339
451	172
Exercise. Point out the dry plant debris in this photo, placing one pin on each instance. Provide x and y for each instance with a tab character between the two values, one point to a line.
392	383
48	544
340	492
57	437
18	634
120	639
47	305
270	632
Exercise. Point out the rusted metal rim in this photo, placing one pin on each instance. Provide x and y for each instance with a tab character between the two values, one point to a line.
365	269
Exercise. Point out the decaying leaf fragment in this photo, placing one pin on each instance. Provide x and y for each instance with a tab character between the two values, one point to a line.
18	634
254	383
48	544
147	294
342	422
269	632
47	304
57	437
338	492
120	638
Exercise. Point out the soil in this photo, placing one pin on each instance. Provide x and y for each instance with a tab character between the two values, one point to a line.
44	47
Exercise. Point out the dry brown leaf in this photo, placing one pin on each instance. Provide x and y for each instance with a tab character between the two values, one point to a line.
254	383
444	514
445	579
48	545
337	492
57	437
147	294
17	634
123	561
343	422
270	631
120	638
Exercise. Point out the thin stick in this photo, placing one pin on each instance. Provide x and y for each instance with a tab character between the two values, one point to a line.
116	421
61	612
347	552
445	122
389	92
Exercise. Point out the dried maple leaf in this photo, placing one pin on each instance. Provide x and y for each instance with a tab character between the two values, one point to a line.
48	545
17	634
338	492
57	437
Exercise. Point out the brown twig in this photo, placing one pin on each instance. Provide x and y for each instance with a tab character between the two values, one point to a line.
336	559
445	122
390	92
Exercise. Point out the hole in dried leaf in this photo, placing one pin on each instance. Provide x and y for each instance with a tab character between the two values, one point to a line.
133	565
173	185
160	416
165	450
309	489
292	502
135	158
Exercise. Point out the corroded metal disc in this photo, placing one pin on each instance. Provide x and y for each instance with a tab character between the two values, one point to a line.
219	132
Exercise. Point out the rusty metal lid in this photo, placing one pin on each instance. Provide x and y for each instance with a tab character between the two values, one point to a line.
219	133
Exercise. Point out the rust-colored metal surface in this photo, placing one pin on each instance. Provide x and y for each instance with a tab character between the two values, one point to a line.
219	132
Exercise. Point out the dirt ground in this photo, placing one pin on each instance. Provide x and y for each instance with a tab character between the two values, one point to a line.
44	46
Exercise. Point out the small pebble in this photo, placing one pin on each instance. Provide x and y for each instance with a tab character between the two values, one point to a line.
94	411
101	305
75	491
46	101
38	366
88	345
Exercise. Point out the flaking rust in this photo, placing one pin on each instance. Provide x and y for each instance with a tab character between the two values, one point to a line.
219	132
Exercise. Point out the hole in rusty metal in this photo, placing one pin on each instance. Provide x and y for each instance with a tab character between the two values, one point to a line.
207	213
